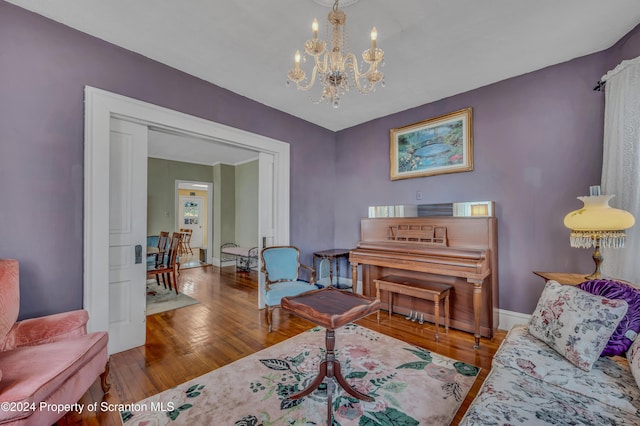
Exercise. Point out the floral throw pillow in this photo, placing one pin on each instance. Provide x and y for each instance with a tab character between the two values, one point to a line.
633	357
575	323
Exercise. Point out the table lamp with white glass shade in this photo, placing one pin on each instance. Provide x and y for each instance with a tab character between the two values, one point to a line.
598	225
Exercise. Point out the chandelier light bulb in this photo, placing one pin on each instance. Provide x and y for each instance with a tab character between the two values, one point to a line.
296	58
374	37
314	28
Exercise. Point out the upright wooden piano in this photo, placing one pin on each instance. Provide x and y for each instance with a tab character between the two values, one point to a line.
459	251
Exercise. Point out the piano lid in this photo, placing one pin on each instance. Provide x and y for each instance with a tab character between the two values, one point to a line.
461	209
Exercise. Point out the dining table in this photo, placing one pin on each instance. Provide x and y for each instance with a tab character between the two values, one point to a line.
153	251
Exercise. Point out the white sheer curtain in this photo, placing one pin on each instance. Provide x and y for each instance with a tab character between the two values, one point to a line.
621	163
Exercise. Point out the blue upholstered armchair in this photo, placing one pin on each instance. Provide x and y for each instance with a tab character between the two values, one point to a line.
281	267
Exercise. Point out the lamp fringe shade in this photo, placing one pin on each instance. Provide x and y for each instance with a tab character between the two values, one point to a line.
608	239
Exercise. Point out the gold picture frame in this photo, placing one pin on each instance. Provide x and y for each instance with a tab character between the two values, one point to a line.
431	147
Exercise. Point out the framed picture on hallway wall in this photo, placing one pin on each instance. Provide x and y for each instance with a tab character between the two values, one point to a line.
431	147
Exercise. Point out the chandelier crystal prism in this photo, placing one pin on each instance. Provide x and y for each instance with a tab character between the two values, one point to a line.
334	68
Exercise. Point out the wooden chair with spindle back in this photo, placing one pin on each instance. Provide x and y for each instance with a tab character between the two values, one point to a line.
168	269
162	247
186	240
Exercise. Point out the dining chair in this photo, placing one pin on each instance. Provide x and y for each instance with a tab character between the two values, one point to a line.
163	237
179	236
168	269
281	267
186	240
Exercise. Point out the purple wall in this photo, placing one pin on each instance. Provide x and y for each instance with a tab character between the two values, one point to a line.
44	67
538	145
628	47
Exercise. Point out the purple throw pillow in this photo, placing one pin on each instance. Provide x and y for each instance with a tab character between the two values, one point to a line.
629	326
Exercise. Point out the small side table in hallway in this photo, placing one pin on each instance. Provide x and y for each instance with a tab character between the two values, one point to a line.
333	256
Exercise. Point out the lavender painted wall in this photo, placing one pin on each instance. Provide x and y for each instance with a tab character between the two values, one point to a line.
537	146
44	67
628	47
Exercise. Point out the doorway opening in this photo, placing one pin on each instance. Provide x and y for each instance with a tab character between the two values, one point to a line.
100	107
194	207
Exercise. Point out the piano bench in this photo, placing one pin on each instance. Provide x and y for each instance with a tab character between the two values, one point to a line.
422	289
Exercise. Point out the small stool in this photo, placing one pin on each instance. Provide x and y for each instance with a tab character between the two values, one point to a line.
427	290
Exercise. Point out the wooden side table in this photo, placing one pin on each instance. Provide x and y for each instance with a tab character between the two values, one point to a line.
330	308
562	277
333	255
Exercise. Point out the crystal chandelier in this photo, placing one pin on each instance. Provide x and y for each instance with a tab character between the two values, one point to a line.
335	68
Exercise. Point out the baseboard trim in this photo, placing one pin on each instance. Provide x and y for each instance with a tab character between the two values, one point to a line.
509	318
217	262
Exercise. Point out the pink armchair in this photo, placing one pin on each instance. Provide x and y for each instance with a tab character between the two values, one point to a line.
47	360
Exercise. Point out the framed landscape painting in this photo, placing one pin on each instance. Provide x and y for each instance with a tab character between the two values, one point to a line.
431	147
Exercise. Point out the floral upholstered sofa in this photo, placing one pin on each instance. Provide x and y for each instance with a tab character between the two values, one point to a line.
551	371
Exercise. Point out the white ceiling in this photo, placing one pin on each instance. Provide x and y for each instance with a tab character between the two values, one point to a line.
188	149
433	48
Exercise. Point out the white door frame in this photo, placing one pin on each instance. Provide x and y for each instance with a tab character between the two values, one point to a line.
100	106
208	241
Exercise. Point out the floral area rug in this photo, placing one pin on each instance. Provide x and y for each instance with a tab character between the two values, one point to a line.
410	385
160	299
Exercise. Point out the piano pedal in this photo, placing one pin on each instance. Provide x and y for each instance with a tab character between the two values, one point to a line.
421	319
409	317
415	317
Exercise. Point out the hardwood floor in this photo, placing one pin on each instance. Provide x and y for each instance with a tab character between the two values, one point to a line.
225	326
191	260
